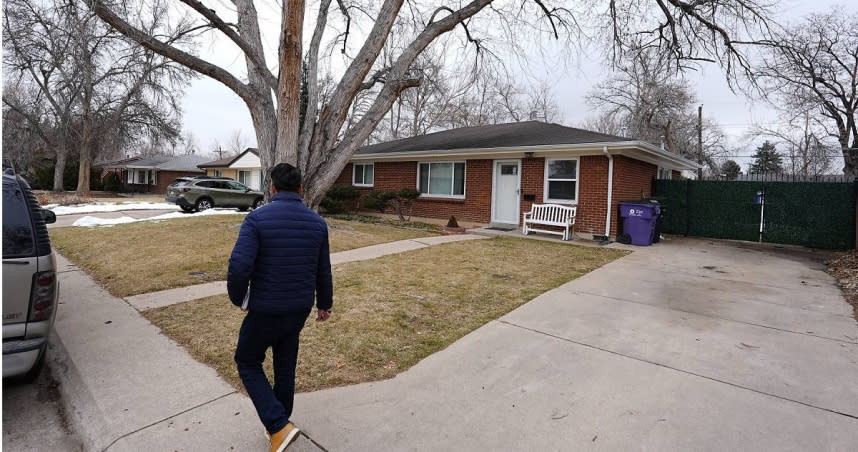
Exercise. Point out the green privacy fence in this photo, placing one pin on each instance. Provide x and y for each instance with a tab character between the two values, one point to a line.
814	214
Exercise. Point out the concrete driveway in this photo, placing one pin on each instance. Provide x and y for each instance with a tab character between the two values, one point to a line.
686	345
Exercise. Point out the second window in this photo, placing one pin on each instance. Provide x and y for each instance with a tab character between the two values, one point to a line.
442	179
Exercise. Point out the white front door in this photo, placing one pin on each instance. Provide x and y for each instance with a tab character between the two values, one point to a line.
505	202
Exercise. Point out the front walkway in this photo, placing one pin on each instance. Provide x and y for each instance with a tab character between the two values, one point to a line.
169	297
687	345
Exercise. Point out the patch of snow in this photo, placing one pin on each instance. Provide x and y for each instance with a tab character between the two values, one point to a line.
89	221
109	207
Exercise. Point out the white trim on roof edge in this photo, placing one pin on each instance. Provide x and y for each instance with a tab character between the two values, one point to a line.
656	155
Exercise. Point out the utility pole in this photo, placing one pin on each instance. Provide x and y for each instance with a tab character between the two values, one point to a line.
700	141
219	153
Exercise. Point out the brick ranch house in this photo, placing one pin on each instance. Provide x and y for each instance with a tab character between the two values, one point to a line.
153	174
493	174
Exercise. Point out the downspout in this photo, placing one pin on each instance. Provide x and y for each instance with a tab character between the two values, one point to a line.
610	190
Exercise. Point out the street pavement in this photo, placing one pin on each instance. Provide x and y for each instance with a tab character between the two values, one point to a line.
34	419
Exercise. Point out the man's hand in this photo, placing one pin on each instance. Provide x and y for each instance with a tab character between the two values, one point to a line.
323	315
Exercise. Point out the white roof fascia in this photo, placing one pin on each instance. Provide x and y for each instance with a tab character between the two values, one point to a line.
659	156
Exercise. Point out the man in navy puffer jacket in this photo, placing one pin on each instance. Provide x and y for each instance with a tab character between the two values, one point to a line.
282	254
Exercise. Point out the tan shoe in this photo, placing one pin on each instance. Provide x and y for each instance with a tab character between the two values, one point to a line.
281	440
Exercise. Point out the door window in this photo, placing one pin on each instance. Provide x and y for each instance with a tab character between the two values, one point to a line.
509	170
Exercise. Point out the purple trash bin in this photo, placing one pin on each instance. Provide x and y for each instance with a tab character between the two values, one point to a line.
639	221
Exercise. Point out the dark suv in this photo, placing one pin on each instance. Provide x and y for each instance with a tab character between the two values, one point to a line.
200	193
30	287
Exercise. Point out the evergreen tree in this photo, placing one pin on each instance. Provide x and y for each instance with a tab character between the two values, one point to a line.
731	170
767	160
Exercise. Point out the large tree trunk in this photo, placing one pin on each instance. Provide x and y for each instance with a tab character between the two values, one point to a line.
85	159
265	126
259	102
59	168
289	85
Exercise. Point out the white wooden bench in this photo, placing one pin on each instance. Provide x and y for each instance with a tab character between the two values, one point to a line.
550	215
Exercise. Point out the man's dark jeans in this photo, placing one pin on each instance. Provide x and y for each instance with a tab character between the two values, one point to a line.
258	332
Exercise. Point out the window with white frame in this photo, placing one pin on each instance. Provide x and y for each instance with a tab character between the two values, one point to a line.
244	177
217	173
445	179
141	177
664	173
561	180
363	175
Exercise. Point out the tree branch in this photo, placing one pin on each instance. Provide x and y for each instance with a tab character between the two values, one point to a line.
186	59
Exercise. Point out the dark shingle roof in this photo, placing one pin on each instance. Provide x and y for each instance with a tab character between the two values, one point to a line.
528	133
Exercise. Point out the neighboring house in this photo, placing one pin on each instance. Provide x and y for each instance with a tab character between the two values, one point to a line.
153	174
493	174
244	168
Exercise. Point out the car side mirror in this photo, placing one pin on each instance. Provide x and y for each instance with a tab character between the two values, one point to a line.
48	216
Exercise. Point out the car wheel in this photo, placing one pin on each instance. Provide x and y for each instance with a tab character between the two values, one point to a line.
203	204
34	372
257	202
243	209
187	208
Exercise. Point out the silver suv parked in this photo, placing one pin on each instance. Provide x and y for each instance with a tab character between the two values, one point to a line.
30	288
201	193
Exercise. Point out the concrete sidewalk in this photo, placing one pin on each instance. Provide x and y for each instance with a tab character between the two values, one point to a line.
688	345
128	387
169	297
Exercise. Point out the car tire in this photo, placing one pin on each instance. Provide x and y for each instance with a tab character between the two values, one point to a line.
256	203
243	209
188	209
203	204
36	370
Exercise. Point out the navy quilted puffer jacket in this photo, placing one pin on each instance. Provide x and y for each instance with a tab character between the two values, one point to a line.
282	251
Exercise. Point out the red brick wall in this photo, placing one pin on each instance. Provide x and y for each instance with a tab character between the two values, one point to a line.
392	176
632	180
532	182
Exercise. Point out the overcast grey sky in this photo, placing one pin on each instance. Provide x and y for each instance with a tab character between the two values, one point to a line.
213	112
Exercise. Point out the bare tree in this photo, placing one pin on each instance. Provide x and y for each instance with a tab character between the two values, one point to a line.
813	66
237	143
323	145
809	150
604	123
650	101
99	91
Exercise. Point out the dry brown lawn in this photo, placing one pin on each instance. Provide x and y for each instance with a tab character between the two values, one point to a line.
135	258
391	312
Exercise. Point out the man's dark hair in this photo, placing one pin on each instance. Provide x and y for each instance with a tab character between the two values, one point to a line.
286	177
